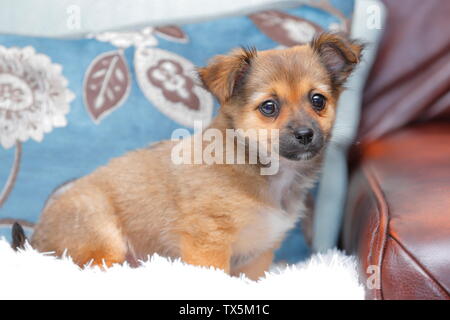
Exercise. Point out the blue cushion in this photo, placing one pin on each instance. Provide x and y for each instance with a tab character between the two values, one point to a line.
124	90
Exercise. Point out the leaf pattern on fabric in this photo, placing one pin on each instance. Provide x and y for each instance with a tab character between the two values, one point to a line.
285	29
106	84
172	33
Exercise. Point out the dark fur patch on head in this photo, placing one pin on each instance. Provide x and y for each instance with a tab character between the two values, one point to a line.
248	54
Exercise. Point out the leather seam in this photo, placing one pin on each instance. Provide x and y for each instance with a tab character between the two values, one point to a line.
424	269
383	219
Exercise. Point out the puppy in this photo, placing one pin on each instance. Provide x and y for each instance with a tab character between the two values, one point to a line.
226	216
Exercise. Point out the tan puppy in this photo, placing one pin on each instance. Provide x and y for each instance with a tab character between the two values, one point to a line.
227	216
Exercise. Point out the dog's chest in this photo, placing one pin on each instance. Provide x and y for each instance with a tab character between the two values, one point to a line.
270	223
263	234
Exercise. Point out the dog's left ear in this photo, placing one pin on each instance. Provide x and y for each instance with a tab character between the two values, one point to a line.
339	55
225	74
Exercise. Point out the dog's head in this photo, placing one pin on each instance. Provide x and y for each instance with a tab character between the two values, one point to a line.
294	90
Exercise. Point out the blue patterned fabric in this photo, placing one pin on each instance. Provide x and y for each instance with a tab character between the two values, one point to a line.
120	96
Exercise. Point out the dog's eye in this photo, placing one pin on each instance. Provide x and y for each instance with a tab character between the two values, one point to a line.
318	102
269	108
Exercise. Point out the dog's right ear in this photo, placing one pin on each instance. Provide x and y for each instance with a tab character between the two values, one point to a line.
225	74
339	55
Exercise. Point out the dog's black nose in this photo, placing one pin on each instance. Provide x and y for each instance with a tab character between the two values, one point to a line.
304	135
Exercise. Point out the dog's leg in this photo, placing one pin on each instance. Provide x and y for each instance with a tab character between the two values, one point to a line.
81	221
206	252
256	268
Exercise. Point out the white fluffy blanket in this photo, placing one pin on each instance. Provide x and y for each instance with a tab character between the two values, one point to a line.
29	275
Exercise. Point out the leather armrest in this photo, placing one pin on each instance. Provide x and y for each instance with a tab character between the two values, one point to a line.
398	214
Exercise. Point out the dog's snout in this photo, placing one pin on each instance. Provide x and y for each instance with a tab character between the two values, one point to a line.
304	135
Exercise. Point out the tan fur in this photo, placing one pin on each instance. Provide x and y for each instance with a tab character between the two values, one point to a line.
259	266
227	216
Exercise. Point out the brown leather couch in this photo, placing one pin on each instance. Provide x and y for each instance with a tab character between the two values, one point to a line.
398	209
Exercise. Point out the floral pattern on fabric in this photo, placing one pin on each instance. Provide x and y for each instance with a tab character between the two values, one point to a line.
167	80
34	97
